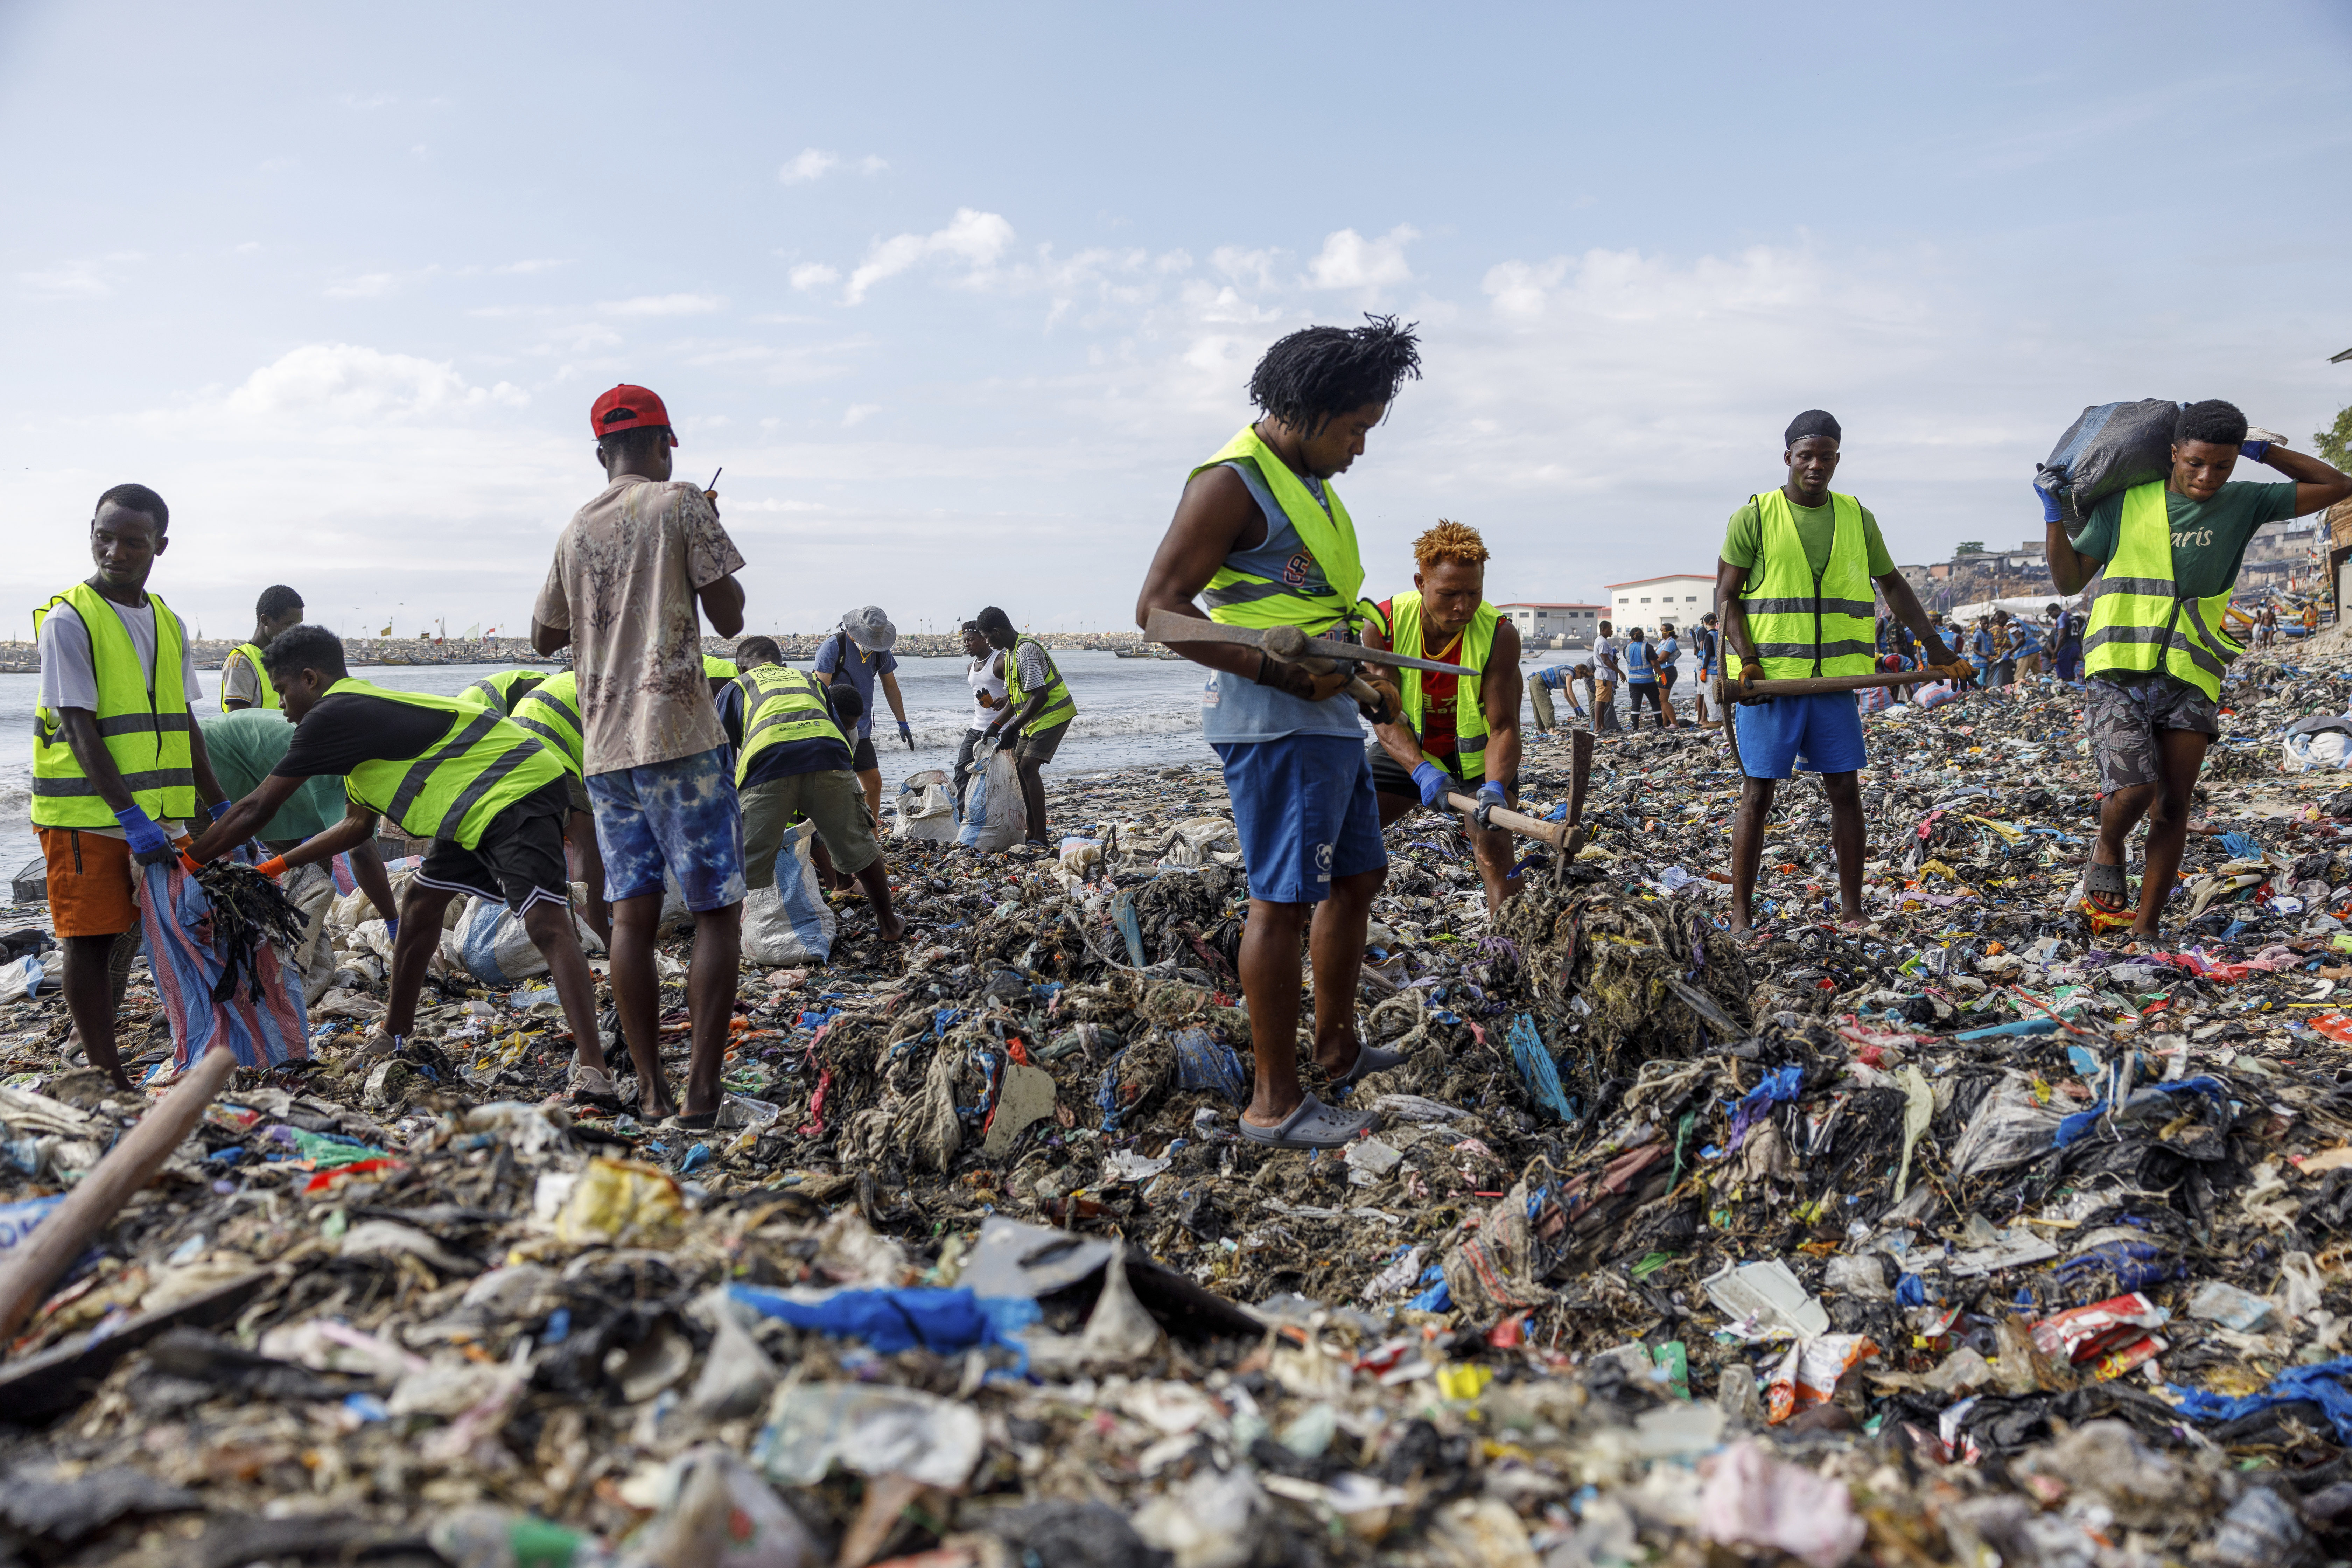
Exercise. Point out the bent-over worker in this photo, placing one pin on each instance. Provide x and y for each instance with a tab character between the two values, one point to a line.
1451	732
1037	709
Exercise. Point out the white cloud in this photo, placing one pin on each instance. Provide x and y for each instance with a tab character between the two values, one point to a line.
370	100
663	305
815	275
813	163
73	281
1348	260
345	384
534	264
870	164
858	413
973	238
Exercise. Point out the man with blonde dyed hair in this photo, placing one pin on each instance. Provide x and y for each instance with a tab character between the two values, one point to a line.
1455	732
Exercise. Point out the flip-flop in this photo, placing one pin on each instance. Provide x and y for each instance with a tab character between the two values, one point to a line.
1370	1059
682	1122
1314	1125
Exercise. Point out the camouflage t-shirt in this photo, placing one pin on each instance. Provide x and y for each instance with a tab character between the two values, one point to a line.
625	573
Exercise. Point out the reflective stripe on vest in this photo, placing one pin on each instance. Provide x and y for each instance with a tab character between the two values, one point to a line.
1245	599
2139	623
251	654
1059	707
143	721
551	711
781	705
1406	637
483	764
1802	625
501	692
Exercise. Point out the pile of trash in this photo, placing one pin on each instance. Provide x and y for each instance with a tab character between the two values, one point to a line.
1960	1236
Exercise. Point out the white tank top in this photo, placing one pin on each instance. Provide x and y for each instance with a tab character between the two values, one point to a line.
979	677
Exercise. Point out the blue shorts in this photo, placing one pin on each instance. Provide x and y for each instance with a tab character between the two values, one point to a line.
1305	811
1819	734
681	816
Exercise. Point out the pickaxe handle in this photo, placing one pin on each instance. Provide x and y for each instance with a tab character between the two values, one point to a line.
1814	685
1552	833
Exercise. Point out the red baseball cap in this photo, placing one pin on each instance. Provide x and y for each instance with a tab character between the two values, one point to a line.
627	407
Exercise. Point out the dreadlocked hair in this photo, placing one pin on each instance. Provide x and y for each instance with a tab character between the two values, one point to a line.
1449	541
1316	374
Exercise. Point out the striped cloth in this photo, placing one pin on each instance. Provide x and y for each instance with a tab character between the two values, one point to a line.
176	918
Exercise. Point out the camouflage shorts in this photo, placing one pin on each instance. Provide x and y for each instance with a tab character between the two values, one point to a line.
2124	720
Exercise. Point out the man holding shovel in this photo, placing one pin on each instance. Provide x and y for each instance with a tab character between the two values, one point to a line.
1794	587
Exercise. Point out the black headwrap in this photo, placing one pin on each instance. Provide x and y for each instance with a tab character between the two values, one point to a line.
1812	422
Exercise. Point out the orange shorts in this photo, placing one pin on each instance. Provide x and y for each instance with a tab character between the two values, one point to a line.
90	882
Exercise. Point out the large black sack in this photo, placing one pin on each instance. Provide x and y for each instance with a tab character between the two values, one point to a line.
2107	451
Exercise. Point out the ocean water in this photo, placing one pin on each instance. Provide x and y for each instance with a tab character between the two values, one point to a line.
1131	712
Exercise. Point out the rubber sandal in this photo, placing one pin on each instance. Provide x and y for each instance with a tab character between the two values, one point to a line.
706	1123
1314	1125
1370	1059
592	1083
2099	879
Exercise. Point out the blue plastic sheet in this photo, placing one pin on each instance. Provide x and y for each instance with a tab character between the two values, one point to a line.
2321	1384
1538	1070
894	1321
1122	912
1777	1088
1204	1061
2083	1122
2137	1264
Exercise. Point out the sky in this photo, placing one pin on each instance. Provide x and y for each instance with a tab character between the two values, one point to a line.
958	295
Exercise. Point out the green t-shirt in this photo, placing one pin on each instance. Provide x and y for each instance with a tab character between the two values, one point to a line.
1743	537
2208	537
244	746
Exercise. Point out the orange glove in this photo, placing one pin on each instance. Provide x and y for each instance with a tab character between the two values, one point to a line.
273	868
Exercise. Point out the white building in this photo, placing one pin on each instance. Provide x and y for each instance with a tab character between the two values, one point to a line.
1646	601
1539	623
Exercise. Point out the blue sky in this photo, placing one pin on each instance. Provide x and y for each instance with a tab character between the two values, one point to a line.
958	295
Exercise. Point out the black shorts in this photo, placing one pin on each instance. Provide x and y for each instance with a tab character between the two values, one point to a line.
519	860
1388	778
1041	746
862	759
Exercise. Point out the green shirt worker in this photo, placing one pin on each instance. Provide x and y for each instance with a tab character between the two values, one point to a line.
793	760
1794	590
1452	734
2161	561
246	747
485	791
1261	540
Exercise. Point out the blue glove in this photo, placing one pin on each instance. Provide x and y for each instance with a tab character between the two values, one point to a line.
392	927
220	808
148	845
907	733
1491	794
2260	451
1433	782
2051	510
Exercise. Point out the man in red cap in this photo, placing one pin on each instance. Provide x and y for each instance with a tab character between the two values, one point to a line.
629	572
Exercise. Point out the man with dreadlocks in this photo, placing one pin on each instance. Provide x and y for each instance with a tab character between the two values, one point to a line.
1261	539
1452	732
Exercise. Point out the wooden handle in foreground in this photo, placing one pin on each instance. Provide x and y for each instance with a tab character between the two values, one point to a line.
70	1228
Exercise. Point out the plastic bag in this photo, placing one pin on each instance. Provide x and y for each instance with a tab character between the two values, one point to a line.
873	1429
789	921
2010	1128
995	817
622	1202
22	979
489	943
716	1512
2109	448
1809	1375
261	1022
1752	1499
926	808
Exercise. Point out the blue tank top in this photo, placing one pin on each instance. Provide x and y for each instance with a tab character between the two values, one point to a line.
1235	709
